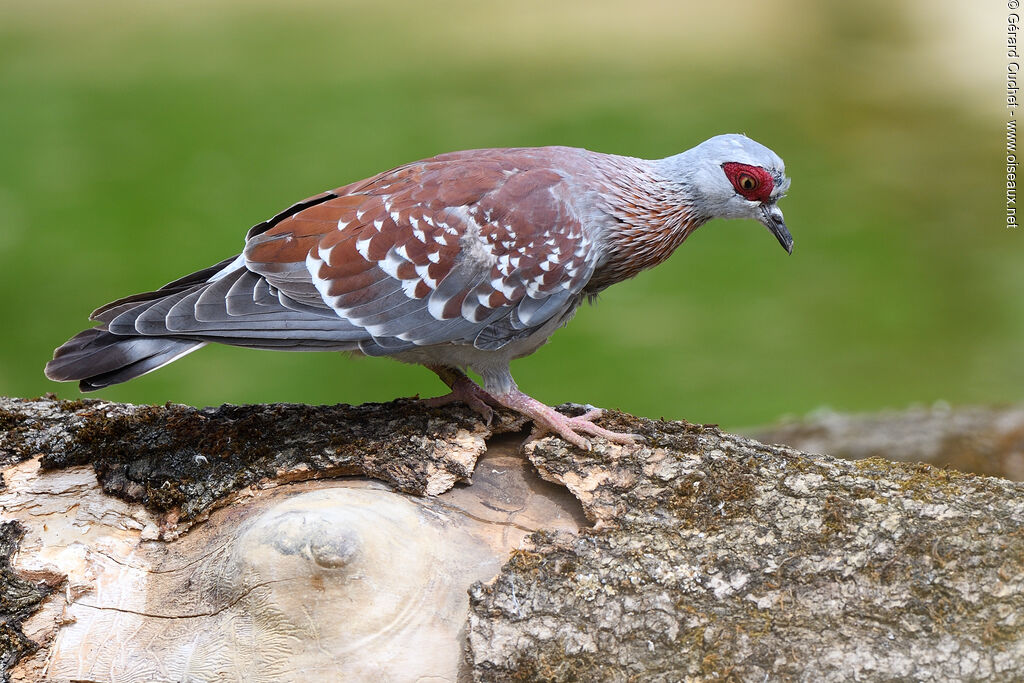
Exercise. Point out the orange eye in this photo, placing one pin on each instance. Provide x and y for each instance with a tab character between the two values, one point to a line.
747	182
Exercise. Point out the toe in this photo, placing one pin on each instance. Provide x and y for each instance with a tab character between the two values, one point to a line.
485	411
584	425
564	432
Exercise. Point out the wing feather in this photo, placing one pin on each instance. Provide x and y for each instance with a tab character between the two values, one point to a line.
474	248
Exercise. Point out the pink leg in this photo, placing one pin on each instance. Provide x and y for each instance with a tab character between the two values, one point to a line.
463	389
547	419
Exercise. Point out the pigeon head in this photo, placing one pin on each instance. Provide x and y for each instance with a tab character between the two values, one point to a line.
732	176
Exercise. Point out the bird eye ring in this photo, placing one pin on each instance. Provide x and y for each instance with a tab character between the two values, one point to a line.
747	182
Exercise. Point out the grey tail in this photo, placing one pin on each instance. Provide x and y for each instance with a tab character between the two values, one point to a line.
97	358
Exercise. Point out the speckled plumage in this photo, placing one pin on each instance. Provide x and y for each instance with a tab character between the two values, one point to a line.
464	260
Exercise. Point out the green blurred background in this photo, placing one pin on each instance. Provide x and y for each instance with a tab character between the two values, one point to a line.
138	142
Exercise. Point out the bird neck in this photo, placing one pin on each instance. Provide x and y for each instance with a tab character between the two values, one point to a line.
653	215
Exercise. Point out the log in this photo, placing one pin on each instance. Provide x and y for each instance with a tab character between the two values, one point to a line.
400	542
979	439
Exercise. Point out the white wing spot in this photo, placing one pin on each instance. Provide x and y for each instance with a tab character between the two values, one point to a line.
325	254
391	263
503	287
363	247
435	306
429	281
313	265
417	231
409	287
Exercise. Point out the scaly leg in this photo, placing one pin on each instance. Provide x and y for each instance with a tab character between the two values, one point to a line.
547	419
463	389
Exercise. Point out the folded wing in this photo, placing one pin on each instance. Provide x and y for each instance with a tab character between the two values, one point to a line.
472	248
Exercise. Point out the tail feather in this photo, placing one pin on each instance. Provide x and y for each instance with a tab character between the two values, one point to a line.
106	312
225	303
97	358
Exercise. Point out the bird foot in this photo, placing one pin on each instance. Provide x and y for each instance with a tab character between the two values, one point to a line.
469	392
572	429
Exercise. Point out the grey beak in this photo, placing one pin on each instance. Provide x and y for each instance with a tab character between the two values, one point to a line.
771	216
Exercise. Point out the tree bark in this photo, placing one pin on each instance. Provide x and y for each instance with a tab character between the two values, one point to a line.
710	556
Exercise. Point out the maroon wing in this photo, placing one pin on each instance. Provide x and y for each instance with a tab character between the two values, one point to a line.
477	247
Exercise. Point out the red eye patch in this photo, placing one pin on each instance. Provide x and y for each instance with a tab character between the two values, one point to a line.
751	182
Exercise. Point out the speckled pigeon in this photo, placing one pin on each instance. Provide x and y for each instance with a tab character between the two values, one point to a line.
462	261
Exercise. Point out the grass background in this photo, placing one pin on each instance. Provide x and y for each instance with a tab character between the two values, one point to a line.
138	142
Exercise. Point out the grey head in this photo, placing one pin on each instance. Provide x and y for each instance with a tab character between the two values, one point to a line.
732	176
